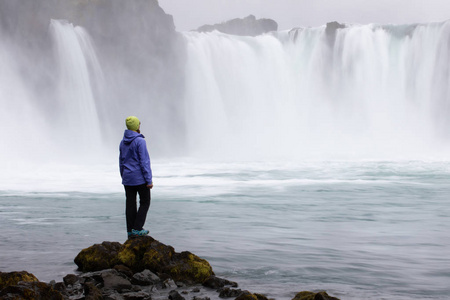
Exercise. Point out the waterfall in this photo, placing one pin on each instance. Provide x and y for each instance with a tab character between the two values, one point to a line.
79	77
363	91
352	92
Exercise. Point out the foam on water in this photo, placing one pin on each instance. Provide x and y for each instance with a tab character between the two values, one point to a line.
357	229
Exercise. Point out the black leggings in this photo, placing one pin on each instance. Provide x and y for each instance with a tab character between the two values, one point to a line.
136	218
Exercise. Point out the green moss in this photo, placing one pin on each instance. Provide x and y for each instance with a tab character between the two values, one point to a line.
305	295
247	296
12	278
190	268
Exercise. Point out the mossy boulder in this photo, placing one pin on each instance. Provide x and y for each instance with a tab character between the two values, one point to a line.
306	295
33	290
13	278
143	253
98	257
246	295
147	253
186	266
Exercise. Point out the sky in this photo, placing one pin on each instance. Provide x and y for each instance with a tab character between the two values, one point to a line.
288	14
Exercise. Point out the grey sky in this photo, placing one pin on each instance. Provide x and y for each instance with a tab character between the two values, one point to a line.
304	13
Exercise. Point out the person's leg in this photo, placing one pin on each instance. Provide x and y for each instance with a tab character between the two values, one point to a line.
144	205
130	206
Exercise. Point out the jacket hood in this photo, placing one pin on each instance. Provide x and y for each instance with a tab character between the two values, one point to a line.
130	135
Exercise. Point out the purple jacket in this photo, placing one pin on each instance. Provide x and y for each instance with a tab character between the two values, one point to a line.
134	161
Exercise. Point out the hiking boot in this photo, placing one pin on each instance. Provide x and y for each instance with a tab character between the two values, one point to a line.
142	232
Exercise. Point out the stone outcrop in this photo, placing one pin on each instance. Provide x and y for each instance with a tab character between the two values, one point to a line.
145	253
248	26
142	268
12	278
331	30
306	295
24	285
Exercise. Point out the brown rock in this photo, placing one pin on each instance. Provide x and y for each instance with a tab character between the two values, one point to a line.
92	292
98	257
306	295
30	291
12	278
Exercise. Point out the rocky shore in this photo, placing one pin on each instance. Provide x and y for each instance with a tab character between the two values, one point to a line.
141	268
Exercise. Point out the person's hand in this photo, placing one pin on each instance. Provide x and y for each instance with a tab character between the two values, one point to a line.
150	186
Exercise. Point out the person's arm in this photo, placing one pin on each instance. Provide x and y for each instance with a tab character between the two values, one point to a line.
121	167
144	161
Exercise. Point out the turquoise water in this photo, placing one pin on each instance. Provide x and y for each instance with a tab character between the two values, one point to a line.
373	230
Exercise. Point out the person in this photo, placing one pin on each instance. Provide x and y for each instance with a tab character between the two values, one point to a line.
136	173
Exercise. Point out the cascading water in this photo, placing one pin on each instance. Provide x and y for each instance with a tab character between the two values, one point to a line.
368	91
80	75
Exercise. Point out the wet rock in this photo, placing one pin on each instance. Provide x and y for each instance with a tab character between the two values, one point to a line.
112	295
145	277
143	253
92	292
174	295
98	257
228	293
331	31
214	282
124	270
261	297
12	278
169	284
71	279
113	281
60	286
201	298
136	296
246	295
306	295
147	253
32	290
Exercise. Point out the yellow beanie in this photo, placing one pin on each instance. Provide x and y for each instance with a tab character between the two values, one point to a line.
132	123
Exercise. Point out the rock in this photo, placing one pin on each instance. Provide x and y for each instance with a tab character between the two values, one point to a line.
228	293
92	292
113	281
147	253
31	290
169	284
70	279
216	282
174	295
201	298
306	295
124	270
136	296
60	286
248	26
12	278
246	295
98	257
145	277
113	295
261	297
331	30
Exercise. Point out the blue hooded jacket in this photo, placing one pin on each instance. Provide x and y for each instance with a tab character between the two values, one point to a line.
134	161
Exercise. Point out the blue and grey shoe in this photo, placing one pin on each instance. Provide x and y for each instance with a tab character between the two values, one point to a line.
142	232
